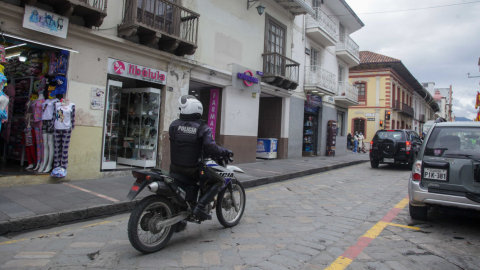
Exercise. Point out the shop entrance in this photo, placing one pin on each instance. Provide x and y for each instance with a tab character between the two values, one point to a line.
35	73
269	127
211	98
132	119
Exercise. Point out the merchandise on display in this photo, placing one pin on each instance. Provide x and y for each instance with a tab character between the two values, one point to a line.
64	123
30	128
132	117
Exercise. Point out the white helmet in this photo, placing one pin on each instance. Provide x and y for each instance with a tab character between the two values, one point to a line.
190	105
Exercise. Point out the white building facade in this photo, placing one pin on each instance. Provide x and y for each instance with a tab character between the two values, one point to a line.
325	51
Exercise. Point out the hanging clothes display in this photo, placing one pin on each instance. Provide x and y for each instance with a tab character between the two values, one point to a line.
37	112
28	140
64	123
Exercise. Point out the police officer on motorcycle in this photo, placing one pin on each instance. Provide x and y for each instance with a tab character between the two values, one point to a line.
190	138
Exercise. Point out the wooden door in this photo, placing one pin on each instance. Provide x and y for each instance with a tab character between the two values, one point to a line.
270	117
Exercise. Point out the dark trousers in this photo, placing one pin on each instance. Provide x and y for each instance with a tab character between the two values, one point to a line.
193	173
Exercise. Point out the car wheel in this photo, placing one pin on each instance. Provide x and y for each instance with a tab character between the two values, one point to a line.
418	212
374	163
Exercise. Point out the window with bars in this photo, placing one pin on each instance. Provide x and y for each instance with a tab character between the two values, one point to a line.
361	91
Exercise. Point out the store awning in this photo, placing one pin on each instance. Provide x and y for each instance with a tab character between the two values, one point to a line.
22	39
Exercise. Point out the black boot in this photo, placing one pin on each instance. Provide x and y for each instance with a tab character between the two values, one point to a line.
206	198
180	226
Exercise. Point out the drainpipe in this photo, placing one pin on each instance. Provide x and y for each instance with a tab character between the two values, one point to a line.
303	28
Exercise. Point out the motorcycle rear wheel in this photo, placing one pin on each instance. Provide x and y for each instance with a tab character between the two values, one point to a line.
226	213
143	234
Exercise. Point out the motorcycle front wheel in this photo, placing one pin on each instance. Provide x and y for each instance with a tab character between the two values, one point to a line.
227	213
143	232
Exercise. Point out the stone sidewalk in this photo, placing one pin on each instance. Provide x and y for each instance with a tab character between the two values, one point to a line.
29	207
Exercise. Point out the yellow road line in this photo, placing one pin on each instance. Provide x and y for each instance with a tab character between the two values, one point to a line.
404	226
352	252
340	263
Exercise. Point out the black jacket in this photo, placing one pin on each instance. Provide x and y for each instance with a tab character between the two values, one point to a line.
190	138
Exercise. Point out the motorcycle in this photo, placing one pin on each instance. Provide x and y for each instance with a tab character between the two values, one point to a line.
155	218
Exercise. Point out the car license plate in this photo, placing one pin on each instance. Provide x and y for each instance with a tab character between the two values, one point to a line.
435	174
389	160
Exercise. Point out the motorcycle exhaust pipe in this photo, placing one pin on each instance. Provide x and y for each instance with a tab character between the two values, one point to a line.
153	187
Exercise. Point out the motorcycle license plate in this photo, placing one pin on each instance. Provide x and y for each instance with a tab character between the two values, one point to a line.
389	160
435	174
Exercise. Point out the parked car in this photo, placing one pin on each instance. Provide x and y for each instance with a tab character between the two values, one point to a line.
447	171
397	146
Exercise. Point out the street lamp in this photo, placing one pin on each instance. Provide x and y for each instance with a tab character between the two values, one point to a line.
260	8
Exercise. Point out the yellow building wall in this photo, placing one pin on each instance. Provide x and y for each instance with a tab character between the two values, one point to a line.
369	107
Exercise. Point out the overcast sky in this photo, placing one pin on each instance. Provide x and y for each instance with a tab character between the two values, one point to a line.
438	45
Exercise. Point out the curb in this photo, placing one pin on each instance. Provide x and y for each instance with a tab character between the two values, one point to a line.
51	219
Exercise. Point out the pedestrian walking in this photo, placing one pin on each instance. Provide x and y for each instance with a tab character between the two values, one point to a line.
355	143
360	142
349	141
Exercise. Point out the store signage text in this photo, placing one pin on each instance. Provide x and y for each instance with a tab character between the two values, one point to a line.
249	80
212	111
370	114
246	78
137	72
370	119
45	21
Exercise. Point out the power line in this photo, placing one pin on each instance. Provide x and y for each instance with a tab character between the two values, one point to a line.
412	9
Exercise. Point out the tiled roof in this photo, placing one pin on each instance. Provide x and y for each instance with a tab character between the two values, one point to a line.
367	57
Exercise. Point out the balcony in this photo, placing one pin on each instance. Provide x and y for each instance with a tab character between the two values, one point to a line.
92	11
421	118
319	81
161	24
347	95
280	71
403	108
348	50
321	29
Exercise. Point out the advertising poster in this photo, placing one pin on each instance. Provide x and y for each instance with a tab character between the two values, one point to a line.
45	21
98	99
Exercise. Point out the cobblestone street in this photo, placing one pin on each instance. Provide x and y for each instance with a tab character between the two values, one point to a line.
314	222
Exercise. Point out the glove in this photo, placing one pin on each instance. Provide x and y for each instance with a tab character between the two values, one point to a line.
229	153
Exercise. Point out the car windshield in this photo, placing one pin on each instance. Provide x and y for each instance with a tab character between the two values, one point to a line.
392	134
459	142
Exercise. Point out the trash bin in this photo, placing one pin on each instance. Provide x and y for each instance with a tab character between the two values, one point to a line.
267	148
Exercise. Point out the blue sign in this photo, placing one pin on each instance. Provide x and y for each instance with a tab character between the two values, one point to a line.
259	73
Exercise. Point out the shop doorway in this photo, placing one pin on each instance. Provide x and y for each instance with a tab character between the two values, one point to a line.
131	123
33	73
269	125
211	98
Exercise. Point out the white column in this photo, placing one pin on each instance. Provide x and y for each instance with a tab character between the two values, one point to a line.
377	98
377	120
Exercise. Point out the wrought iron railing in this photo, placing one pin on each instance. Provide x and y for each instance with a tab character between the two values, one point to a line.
279	65
317	76
421	118
164	16
99	4
402	107
347	90
321	19
346	43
